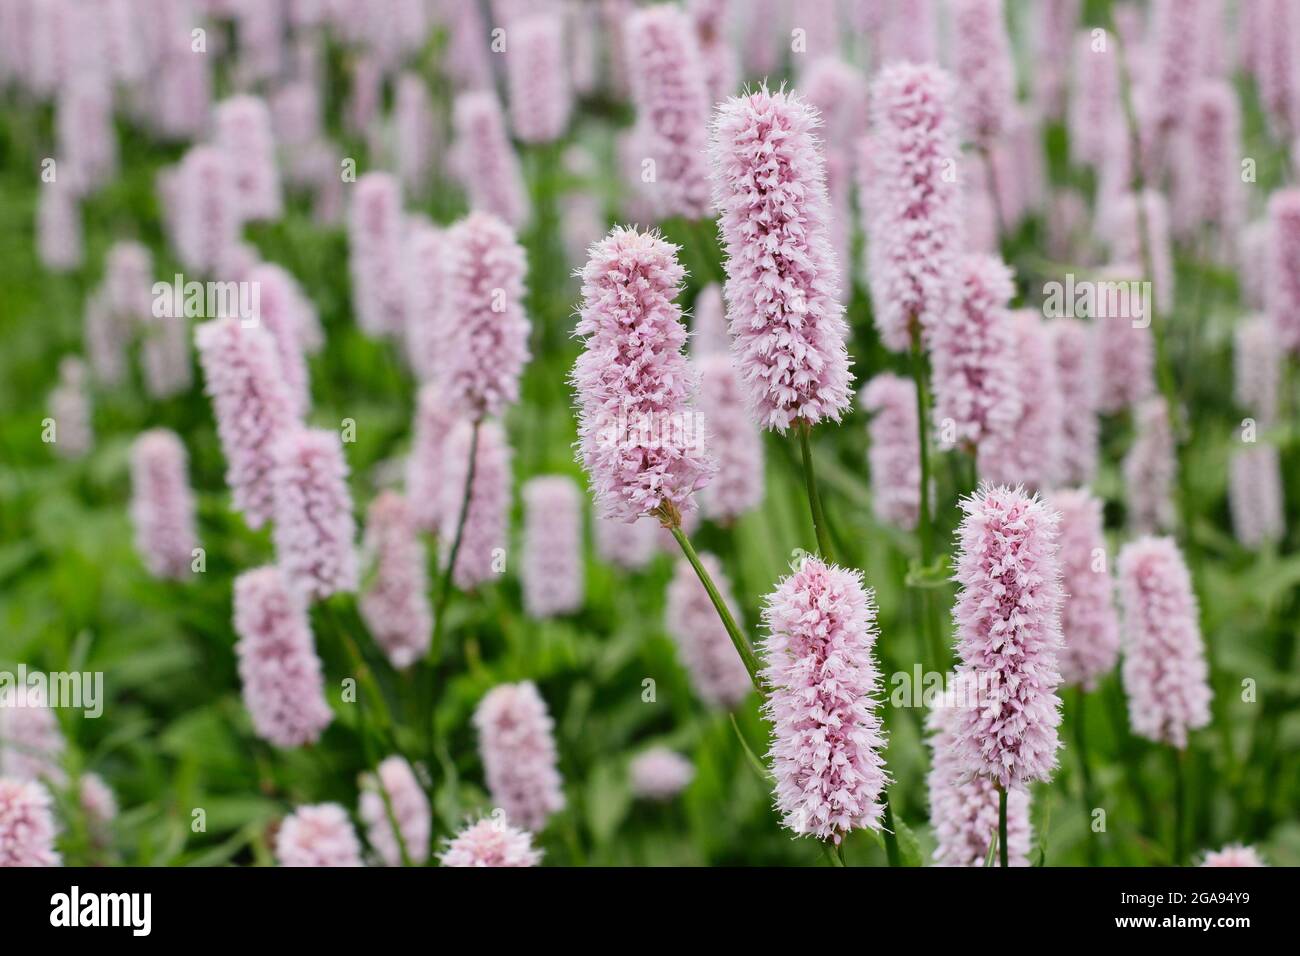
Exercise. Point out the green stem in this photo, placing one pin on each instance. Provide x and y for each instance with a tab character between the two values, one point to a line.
1085	770
444	592
1003	853
814	497
1180	808
925	528
891	838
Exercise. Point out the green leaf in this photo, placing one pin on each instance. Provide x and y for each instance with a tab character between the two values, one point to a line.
909	848
936	575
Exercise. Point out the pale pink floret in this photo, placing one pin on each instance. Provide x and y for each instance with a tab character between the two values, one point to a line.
976	378
1150	470
491	843
283	685
709	323
485	341
27	828
1257	369
735	439
1255	495
1029	453
317	835
672	104
207	210
1164	670
1282	295
913	208
782	291
1008	627
630	546
964	807
516	740
894	455
374	254
552	567
282	311
315	533
488	515
485	159
639	438
1089	622
986	78
252	405
717	674
1076	377
31	741
410	808
537	78
243	132
827	740
434	420
1124	345
395	600
1234	855
659	774
162	504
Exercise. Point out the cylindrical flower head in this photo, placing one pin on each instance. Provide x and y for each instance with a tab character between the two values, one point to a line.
434	420
162	504
986	77
638	436
717	674
1234	855
827	741
410	809
672	102
395	601
552	567
243	132
31	741
58	227
1174	44
516	741
910	32
972	348
486	331
659	774
1150	469
280	311
712	20
913	204
26	824
252	407
1282	293
317	835
69	406
207	210
375	254
1053	32
1212	157
1095	104
491	843
1008	636
488	166
85	135
1255	495
315	533
488	515
426	254
1257	369
284	689
1164	670
838	92
894	456
1123	343
1279	73
736	441
1126	241
1089	623
416	132
1029	453
782	291
128	280
709	323
98	803
1076	377
105	337
537	78
964	808
629	546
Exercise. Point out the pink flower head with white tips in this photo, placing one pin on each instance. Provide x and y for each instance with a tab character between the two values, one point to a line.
1255	495
27	828
1089	622
516	739
894	455
1123	343
827	740
537	78
986	77
1282	293
244	134
318	835
486	160
374	254
395	601
315	533
1234	855
162	504
782	291
207	210
1009	635
491	842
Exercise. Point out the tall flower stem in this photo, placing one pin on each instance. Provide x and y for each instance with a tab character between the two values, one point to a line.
1180	806
814	497
1004	856
1085	771
925	522
444	592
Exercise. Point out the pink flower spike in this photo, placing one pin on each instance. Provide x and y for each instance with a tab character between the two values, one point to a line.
659	774
639	439
317	835
283	686
1124	345
782	291
207	210
1008	627
1150	470
31	741
162	504
1164	672
243	132
410	809
1234	855
27	828
252	406
374	254
315	532
395	600
516	739
537	78
1089	622
282	311
1095	104
1282	295
424	487
716	672
488	516
491	843
1076	376
59	239
485	159
986	76
553	573
737	442
709	323
1255	491
827	740
1257	369
426	293
894	455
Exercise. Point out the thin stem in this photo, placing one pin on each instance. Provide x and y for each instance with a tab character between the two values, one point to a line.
832	853
814	497
1085	771
891	838
738	640
925	521
444	593
1180	806
1003	854
384	795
